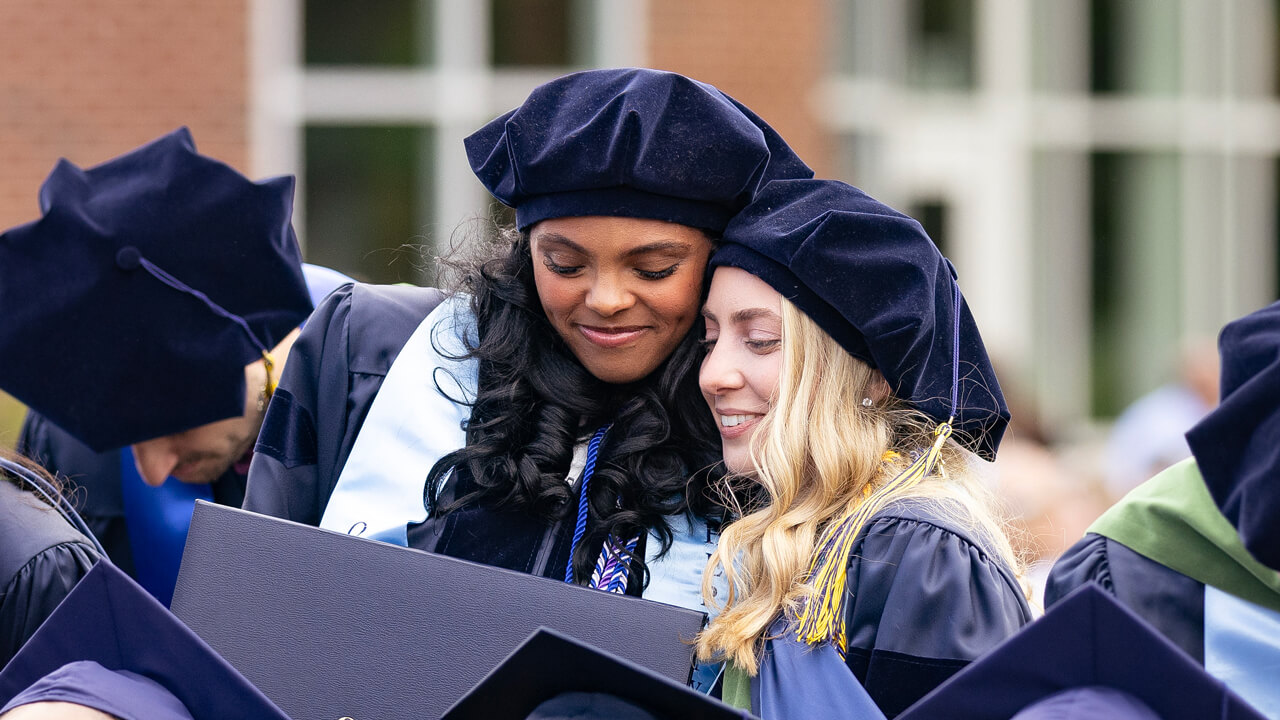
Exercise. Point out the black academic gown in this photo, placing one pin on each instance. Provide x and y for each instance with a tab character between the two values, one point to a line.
41	558
334	373
925	598
335	370
1172	602
94	483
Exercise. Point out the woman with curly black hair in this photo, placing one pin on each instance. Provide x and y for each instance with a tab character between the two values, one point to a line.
544	416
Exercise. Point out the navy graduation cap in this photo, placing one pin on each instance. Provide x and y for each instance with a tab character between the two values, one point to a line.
1237	445
552	676
133	304
872	279
111	646
629	142
1089	653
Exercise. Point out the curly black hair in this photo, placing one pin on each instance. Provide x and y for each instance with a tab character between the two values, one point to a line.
536	401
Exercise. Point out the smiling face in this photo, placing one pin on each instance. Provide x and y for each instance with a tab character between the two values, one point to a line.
744	358
621	292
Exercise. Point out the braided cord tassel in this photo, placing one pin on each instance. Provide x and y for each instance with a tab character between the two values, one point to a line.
614	566
822	618
580	526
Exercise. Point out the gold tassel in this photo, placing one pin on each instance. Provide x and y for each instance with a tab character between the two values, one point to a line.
269	387
822	619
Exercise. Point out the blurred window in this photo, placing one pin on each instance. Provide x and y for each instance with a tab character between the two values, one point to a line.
385	32
860	159
934	215
1136	275
367	196
534	33
942	44
369	187
1135	46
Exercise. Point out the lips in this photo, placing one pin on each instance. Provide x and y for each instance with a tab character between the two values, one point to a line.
735	423
612	337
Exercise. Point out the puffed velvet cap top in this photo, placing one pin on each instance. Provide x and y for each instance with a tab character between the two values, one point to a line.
552	676
629	142
872	279
1237	445
132	306
1088	657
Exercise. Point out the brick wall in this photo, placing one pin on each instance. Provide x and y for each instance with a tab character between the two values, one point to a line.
768	54
90	79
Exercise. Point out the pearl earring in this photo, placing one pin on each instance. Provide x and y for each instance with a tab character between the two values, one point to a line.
866	402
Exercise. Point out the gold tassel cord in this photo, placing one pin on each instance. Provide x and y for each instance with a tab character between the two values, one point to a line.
822	618
269	388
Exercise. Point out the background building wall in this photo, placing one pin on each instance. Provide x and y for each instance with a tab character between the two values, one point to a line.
768	55
90	79
1103	172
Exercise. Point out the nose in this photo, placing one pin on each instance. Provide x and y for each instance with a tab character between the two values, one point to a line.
719	374
155	461
609	295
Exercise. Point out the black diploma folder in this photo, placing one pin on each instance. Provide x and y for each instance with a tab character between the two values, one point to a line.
334	626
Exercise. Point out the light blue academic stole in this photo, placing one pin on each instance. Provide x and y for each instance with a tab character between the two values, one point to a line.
1242	648
418	417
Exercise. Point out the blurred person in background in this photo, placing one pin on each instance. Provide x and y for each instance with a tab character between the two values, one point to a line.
1149	435
862	545
173	288
43	554
1196	550
1050	497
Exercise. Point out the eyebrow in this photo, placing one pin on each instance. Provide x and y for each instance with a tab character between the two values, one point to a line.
741	316
660	246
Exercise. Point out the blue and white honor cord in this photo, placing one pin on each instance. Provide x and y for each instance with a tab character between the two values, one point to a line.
614	564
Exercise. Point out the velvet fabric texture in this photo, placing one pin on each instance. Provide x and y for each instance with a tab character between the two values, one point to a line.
629	142
1237	445
97	342
1088	640
109	620
872	279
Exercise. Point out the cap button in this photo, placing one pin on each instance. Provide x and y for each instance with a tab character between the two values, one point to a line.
128	258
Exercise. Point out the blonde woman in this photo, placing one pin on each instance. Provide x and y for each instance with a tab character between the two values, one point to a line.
850	386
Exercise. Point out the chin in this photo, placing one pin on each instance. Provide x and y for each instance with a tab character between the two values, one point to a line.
738	465
615	375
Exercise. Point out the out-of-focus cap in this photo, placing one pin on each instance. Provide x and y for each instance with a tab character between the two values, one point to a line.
1087	640
132	306
111	621
554	675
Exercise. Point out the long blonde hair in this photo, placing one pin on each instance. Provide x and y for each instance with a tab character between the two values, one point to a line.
818	456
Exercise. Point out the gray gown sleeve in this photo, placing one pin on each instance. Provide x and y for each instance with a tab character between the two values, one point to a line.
924	600
36	589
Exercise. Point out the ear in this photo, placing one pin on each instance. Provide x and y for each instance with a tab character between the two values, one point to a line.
878	388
